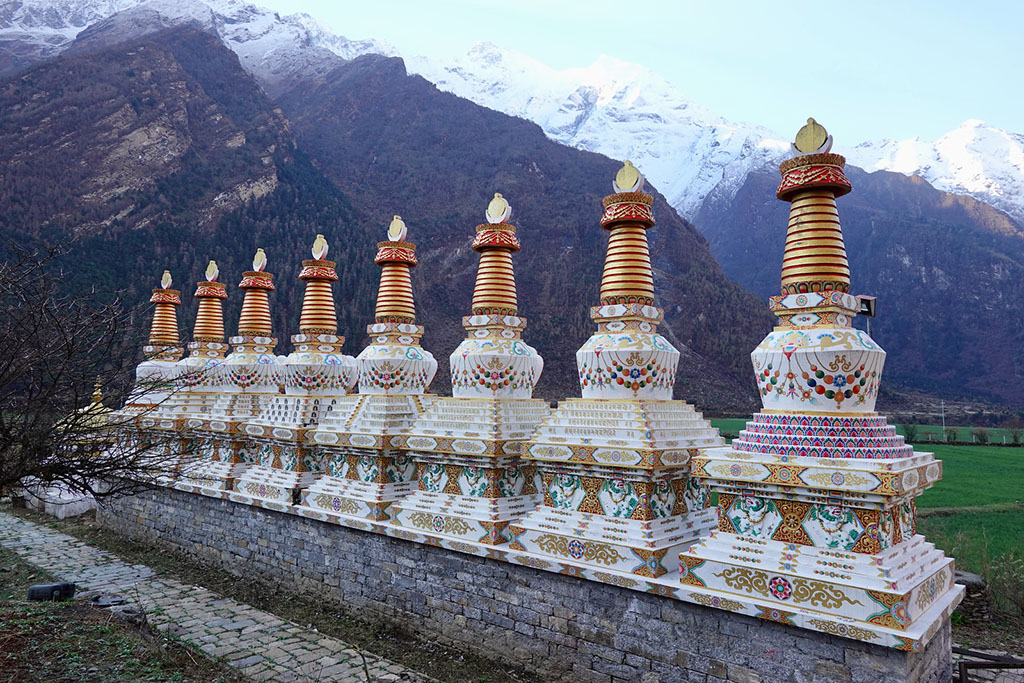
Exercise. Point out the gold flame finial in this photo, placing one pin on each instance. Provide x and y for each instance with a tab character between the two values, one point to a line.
499	210
628	179
212	271
259	261
320	248
813	138
165	281
397	230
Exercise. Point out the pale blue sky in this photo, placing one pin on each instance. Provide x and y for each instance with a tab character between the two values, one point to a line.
865	69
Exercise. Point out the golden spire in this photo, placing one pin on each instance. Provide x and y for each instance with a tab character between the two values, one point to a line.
628	179
815	255
627	276
164	331
495	290
259	261
396	258
209	325
397	229
97	393
812	138
320	248
318	315
255	318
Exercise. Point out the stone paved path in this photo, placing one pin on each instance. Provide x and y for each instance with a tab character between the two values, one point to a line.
258	643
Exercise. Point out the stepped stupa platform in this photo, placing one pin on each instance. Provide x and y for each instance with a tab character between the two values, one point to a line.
815	520
816	515
365	473
615	464
472	482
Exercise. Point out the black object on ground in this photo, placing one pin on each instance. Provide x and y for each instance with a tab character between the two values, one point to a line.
52	591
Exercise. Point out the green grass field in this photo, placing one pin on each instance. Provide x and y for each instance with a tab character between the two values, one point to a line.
729	425
930	433
976	539
975	475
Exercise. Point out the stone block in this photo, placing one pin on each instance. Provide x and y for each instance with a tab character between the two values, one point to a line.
560	627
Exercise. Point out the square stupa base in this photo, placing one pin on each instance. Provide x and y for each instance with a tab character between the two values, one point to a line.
209	477
902	593
469	518
270	487
642	547
361	483
469	497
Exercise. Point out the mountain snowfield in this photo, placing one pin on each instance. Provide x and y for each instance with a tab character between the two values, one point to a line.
975	159
611	107
621	110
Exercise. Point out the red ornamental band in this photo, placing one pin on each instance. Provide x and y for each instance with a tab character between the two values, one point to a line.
318	270
503	237
255	279
211	289
166	296
813	171
634	207
395	252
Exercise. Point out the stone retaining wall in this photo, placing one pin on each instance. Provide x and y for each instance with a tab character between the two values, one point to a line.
561	627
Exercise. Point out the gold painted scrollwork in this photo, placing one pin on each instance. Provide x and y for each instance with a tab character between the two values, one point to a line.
814	593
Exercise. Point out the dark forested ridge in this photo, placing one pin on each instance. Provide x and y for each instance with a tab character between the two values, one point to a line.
163	153
397	145
162	131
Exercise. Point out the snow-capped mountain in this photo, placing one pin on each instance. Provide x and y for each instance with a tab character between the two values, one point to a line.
975	159
270	46
622	110
611	107
54	23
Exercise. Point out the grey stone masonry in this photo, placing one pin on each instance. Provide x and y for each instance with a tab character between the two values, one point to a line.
260	645
559	626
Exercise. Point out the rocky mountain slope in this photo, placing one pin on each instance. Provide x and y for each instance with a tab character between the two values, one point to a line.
375	132
611	107
398	145
113	141
164	153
